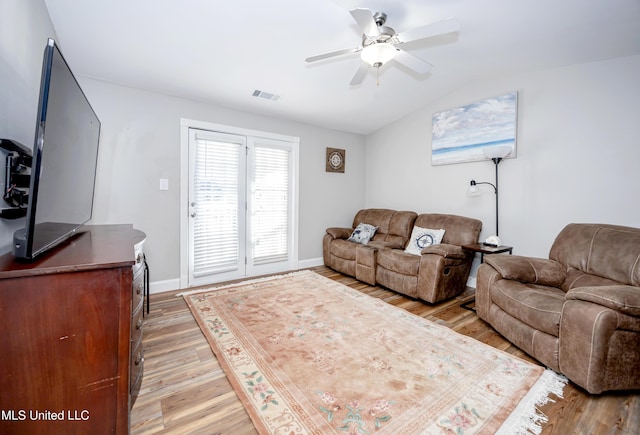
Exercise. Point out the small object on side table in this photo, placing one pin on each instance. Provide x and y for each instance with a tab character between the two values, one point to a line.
483	249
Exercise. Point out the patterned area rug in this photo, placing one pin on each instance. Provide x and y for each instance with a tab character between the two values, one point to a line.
308	355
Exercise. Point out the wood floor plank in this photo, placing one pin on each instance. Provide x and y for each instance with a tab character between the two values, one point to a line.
184	389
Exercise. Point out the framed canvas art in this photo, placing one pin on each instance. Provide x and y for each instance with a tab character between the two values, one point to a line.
470	133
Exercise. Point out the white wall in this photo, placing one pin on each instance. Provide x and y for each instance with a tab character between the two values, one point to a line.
24	29
140	143
578	150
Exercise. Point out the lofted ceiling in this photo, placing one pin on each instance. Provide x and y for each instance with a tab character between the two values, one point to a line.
221	51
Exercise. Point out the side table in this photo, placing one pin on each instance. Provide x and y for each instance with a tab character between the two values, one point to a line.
487	249
484	249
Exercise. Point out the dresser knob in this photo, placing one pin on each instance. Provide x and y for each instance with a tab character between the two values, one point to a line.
139	324
139	359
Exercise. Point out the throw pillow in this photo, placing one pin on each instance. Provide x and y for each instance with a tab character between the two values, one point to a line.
421	238
362	234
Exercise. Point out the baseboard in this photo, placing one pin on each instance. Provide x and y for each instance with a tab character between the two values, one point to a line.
312	262
471	282
174	284
164	286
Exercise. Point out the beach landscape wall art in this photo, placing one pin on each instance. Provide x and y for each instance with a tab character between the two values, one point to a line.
469	133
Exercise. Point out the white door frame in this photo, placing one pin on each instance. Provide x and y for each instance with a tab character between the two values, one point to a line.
185	124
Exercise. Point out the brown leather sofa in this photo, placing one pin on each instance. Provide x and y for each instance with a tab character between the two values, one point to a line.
440	272
577	312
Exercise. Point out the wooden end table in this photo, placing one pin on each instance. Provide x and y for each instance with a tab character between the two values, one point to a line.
483	249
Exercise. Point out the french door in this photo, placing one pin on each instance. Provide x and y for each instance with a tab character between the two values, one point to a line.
241	207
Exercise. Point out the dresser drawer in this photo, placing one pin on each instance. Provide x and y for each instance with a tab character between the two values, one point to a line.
138	292
139	258
136	369
137	322
137	353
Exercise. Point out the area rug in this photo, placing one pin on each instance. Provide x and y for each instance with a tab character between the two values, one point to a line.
308	355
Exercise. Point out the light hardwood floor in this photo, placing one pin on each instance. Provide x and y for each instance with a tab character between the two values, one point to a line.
184	390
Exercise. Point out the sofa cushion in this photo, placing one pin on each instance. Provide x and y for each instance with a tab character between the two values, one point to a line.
398	261
362	234
461	230
538	306
577	278
590	248
393	226
421	238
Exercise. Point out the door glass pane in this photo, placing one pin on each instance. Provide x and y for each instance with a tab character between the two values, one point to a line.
270	205
215	194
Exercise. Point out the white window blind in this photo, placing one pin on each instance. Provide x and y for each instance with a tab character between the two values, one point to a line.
270	205
216	229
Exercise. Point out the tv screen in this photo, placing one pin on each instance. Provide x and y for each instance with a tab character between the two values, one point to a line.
65	156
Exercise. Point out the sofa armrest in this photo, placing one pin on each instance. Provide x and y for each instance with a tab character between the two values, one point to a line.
382	244
445	250
339	233
528	269
622	298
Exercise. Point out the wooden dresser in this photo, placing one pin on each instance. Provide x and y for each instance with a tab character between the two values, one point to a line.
71	347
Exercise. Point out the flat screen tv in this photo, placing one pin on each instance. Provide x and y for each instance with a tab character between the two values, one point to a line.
65	156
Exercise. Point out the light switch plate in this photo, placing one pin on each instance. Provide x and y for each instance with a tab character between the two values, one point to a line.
164	184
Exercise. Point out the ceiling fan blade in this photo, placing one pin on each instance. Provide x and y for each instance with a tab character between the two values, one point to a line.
360	74
434	29
365	20
333	54
412	62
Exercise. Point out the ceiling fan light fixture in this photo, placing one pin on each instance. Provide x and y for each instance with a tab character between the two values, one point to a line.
378	54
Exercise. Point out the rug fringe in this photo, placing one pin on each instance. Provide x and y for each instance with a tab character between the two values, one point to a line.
249	281
527	418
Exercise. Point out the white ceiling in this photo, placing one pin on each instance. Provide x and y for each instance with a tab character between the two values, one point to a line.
220	51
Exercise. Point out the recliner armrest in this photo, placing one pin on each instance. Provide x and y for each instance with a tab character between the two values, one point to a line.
622	298
528	269
339	233
445	250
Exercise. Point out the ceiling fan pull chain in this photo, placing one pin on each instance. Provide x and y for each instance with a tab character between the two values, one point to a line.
377	76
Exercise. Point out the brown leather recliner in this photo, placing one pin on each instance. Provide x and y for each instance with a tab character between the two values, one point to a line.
577	312
442	270
357	260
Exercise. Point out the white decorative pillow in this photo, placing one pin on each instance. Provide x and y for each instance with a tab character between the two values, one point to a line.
421	238
362	234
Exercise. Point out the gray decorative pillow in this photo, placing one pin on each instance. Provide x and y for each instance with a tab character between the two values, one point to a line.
362	234
421	238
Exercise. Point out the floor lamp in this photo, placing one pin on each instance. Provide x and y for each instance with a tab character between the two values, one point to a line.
496	154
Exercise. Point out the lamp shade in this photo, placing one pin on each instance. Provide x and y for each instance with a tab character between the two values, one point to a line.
378	54
496	152
473	189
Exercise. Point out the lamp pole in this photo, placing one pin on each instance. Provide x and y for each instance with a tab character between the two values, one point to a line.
496	161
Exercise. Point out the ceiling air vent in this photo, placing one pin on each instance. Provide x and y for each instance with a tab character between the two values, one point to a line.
265	95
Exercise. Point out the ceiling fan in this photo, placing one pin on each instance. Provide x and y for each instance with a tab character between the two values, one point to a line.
380	43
